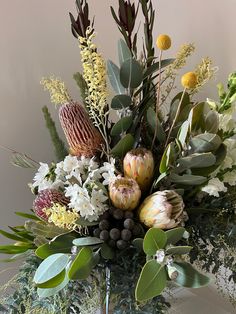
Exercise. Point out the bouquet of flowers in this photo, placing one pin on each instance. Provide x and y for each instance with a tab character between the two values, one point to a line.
143	198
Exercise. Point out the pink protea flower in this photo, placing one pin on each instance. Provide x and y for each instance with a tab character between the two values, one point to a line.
82	136
45	199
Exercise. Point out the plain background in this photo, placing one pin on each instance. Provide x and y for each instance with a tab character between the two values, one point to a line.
36	41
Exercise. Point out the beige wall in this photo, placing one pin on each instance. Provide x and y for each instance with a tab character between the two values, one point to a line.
35	41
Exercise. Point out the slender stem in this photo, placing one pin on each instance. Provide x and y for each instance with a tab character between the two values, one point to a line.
108	286
158	100
15	152
176	117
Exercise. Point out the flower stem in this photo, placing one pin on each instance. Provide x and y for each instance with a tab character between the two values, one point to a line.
176	117
158	100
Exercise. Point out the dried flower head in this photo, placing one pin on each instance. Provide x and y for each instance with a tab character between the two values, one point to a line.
82	136
58	92
61	217
189	80
204	72
163	42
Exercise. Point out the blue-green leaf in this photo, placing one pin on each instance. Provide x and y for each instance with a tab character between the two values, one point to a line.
85	241
131	73
51	267
189	277
114	77
174	235
123	51
154	240
82	265
123	146
120	102
121	126
152	281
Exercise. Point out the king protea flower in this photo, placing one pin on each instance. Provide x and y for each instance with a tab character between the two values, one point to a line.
45	199
163	209
138	164
82	136
124	193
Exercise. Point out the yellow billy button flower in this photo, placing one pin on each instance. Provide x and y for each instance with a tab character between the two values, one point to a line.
124	193
163	42
163	209
138	164
189	80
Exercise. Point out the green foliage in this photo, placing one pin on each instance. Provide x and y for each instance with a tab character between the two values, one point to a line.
131	74
123	146
82	265
190	277
50	268
114	76
154	240
121	102
121	126
124	52
59	146
78	77
152	281
87	241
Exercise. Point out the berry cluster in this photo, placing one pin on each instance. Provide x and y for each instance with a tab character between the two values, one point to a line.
118	228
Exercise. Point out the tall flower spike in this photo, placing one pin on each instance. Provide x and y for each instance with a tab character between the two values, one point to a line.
83	138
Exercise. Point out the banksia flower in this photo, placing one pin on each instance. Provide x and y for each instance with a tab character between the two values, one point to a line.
163	42
45	199
82	136
189	80
138	164
124	193
163	209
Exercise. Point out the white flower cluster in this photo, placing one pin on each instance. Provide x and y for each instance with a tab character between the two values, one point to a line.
226	173
83	182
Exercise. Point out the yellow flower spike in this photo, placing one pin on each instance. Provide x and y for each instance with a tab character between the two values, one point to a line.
189	80
163	42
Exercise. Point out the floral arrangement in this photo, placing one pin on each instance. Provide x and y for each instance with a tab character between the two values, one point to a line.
148	200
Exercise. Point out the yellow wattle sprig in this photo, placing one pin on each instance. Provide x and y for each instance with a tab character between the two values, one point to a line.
61	217
57	90
94	74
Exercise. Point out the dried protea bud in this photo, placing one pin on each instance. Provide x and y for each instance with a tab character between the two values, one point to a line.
163	209
139	165
45	199
82	136
124	193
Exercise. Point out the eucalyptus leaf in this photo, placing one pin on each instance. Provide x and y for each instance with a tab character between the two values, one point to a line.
187	179
138	244
121	126
131	74
205	142
154	240
197	160
174	235
120	102
51	267
154	124
82	265
183	133
123	51
107	252
152	281
114	77
123	146
179	250
212	122
86	241
189	277
54	282
62	244
167	158
46	293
